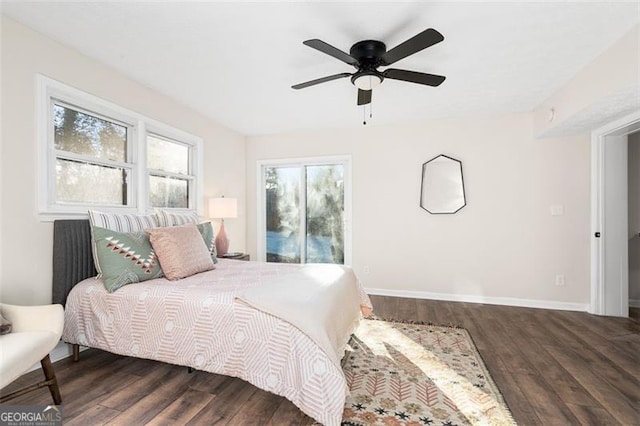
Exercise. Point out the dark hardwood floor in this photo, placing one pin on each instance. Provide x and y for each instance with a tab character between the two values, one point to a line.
553	368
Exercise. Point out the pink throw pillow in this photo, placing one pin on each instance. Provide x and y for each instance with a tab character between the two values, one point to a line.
180	250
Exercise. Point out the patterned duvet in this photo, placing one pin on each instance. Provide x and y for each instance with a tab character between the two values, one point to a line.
197	323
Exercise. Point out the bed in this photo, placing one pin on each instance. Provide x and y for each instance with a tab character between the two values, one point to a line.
210	322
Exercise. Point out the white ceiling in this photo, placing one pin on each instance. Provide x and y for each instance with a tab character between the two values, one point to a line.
235	62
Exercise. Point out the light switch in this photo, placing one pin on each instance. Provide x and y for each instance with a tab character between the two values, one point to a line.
557	210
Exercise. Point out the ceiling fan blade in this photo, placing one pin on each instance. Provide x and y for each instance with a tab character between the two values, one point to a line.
413	45
331	51
414	77
364	96
320	80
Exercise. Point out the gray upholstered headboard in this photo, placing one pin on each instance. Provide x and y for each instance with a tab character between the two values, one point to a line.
72	258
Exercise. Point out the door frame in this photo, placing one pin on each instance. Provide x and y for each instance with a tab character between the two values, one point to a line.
599	289
345	160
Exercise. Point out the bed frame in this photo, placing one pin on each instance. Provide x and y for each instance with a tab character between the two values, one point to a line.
72	260
72	257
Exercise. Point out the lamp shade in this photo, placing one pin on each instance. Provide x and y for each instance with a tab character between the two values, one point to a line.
223	208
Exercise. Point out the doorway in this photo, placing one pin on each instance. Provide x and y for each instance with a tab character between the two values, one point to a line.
609	217
305	210
633	171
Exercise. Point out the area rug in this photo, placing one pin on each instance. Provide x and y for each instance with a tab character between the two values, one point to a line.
410	374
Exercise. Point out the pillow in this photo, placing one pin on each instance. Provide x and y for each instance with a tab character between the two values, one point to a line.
123	222
172	218
181	251
118	222
125	258
206	230
5	325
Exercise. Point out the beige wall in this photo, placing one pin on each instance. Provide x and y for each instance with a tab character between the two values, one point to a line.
503	244
26	243
606	89
634	218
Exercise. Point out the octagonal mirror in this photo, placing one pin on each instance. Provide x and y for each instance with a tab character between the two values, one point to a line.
442	190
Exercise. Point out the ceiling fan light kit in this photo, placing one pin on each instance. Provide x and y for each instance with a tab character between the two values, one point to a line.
367	81
367	55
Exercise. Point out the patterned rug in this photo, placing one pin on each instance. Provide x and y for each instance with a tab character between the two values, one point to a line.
408	374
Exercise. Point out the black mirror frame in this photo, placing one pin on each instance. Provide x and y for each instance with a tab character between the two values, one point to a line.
464	193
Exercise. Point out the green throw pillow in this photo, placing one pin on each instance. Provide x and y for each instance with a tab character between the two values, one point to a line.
206	230
125	258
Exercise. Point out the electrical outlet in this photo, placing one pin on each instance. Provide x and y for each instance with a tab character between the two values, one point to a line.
366	269
560	280
557	210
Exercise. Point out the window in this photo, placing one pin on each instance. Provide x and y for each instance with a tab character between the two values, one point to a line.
94	154
89	149
305	211
170	178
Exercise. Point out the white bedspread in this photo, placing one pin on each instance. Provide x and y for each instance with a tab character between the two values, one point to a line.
321	300
197	322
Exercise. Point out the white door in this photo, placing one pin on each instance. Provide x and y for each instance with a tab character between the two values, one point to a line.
614	233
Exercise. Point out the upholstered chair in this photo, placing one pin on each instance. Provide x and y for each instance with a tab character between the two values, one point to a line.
36	330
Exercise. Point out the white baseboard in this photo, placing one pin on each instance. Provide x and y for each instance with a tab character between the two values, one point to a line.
634	303
509	301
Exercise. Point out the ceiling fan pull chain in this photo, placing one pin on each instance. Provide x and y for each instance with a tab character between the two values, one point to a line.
364	115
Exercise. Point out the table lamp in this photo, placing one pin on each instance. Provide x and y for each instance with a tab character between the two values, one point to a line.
222	208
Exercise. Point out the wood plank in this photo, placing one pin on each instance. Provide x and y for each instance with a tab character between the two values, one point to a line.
87	395
288	414
544	400
182	409
208	382
516	400
143	411
229	401
137	390
609	397
259	408
95	415
592	416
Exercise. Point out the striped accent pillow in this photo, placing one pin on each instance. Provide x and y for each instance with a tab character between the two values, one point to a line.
122	222
118	222
171	218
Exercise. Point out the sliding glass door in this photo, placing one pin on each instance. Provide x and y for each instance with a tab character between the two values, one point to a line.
305	211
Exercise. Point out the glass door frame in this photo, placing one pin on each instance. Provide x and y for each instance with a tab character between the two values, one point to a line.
344	160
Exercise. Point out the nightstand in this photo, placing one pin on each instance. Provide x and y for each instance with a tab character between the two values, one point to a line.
235	256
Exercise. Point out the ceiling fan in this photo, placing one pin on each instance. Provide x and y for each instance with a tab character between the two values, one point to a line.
367	55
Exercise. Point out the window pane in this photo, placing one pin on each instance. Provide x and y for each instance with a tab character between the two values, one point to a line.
168	192
78	182
167	156
282	186
85	134
325	214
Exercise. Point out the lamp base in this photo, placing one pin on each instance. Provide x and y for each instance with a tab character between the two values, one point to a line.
222	241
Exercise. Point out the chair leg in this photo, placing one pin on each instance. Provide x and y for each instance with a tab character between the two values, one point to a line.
50	375
76	352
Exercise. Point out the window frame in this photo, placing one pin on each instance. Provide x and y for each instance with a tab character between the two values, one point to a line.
50	91
344	160
67	155
190	177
